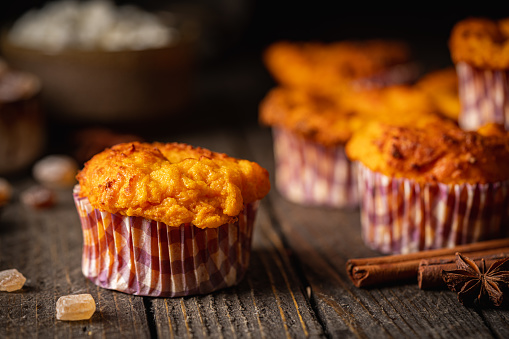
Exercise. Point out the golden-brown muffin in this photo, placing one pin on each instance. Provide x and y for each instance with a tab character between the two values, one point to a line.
399	105
319	67
331	120
313	117
433	152
442	88
482	43
172	183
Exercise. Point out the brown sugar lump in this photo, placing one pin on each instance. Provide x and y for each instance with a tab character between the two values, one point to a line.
310	131
442	88
75	307
480	50
431	185
56	171
11	280
38	197
167	219
321	67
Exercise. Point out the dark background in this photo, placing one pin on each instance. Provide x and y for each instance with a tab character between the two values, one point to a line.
230	76
248	25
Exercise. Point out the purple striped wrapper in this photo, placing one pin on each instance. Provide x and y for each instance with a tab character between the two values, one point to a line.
311	174
399	215
484	96
145	257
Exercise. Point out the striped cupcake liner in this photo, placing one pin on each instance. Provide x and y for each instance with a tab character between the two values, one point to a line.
22	134
145	257
484	96
310	174
402	216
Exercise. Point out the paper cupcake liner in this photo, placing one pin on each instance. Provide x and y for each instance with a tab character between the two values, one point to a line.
402	216
145	257
484	96
311	174
22	134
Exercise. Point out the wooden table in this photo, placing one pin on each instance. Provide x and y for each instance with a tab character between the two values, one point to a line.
296	285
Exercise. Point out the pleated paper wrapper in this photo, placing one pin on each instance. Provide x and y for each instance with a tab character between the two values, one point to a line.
308	173
402	216
484	96
145	257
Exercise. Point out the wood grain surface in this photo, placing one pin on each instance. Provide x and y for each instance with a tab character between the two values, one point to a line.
296	286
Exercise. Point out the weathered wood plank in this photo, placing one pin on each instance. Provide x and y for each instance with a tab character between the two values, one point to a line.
497	321
296	285
268	303
46	246
323	240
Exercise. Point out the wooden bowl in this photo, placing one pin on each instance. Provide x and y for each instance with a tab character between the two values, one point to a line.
109	86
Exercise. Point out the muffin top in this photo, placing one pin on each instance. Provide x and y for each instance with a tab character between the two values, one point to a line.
319	66
442	88
481	43
434	152
172	183
317	118
331	120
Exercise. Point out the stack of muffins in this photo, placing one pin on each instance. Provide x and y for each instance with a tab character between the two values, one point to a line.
421	180
173	220
313	113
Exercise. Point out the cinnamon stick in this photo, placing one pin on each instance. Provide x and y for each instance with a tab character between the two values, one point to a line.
429	275
366	272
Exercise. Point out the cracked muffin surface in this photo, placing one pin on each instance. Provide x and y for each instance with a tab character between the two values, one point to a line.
172	183
434	152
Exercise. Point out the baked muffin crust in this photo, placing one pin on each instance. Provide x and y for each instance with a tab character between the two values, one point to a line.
319	66
331	120
313	117
434	152
172	183
482	43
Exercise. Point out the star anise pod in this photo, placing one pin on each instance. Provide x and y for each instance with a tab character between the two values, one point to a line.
473	282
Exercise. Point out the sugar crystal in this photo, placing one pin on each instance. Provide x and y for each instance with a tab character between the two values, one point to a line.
11	280
38	197
56	171
75	307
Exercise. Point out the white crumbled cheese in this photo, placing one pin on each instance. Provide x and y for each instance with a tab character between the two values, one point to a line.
93	24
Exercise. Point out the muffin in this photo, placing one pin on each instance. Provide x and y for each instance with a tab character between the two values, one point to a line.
321	67
310	131
167	219
431	185
22	130
442	88
480	50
